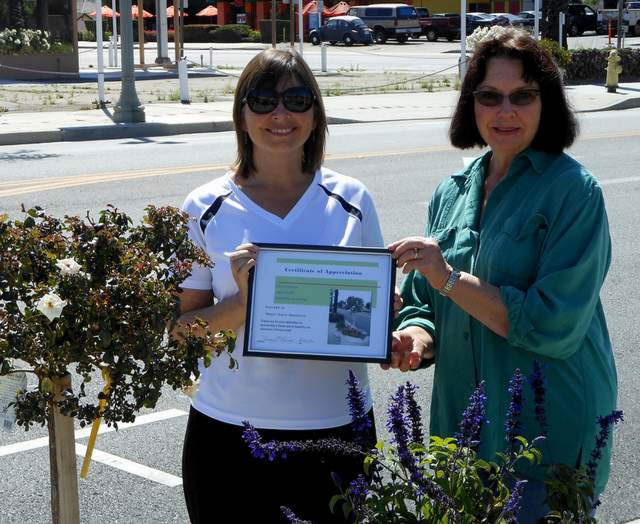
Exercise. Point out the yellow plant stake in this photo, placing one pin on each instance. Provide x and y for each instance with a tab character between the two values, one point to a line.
102	404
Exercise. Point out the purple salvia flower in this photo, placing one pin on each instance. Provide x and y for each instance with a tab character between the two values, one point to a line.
266	450
397	424
292	517
359	488
359	419
414	413
536	381
513	424
512	506
274	449
472	419
602	440
439	499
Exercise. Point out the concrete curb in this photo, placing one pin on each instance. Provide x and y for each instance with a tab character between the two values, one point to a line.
112	131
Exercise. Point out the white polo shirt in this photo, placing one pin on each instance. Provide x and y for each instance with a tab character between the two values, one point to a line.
277	393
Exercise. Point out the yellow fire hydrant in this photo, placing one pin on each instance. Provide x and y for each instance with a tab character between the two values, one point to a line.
613	70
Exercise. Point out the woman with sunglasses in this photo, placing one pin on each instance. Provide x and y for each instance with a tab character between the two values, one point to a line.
277	192
516	251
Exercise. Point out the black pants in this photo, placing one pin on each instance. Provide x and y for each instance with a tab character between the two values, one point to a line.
221	477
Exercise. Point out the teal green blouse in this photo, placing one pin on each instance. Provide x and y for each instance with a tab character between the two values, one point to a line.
544	241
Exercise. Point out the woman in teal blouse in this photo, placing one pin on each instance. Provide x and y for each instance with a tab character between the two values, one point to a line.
516	250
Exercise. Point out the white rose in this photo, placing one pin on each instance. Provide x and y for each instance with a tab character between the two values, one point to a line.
51	306
68	266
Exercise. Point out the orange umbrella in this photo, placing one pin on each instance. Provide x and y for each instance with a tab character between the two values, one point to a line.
311	7
134	12
106	12
208	11
170	12
341	8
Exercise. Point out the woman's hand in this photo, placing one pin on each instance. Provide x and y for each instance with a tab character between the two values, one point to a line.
422	255
242	260
409	347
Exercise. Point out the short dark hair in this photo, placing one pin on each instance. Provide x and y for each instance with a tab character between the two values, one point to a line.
558	126
264	71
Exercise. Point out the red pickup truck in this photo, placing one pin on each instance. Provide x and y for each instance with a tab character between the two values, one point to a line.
441	25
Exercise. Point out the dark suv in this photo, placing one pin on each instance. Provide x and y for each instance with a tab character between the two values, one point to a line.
580	18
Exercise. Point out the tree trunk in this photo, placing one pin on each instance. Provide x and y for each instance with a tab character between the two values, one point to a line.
551	18
42	15
65	506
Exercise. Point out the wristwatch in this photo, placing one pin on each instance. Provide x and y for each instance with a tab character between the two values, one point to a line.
451	281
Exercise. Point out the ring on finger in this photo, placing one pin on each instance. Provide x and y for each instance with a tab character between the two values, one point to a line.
416	252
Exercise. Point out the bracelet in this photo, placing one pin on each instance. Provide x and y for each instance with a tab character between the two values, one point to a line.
451	281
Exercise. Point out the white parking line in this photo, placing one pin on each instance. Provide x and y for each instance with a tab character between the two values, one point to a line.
129	466
27	445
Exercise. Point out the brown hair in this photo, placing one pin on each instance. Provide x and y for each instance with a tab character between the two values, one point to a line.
558	126
264	71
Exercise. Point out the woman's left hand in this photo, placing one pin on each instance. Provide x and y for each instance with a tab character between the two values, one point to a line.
242	260
422	255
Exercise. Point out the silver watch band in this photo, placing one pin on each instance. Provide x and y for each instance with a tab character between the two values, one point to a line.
451	281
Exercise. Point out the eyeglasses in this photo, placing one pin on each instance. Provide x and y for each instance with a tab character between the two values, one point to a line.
522	97
295	99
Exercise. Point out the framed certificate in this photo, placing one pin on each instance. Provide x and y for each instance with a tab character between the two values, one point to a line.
317	302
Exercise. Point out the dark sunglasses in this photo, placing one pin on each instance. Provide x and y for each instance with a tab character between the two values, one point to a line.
295	99
522	97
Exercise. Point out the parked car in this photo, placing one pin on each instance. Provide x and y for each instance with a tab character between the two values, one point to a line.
529	17
514	20
398	21
581	18
440	25
346	29
475	20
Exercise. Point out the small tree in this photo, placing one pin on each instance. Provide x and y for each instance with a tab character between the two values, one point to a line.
96	298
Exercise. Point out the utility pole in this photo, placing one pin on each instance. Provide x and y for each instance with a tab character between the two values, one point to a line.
273	23
162	32
620	28
128	109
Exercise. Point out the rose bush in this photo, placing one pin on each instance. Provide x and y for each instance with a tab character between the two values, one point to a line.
96	298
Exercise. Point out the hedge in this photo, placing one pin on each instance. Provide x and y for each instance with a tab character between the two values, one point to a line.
590	64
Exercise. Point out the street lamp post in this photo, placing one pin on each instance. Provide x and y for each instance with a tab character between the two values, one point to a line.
128	109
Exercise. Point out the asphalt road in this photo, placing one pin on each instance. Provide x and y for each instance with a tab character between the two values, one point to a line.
401	162
415	55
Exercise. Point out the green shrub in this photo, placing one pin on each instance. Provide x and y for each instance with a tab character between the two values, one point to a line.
198	32
87	36
590	64
226	35
561	56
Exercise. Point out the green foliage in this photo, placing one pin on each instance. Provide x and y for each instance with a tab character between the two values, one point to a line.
233	33
561	56
87	36
477	490
29	41
89	296
590	64
571	495
198	32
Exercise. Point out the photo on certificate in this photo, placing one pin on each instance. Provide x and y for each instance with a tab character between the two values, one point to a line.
317	302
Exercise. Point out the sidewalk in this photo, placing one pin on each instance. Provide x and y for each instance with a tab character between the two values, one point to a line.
174	118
